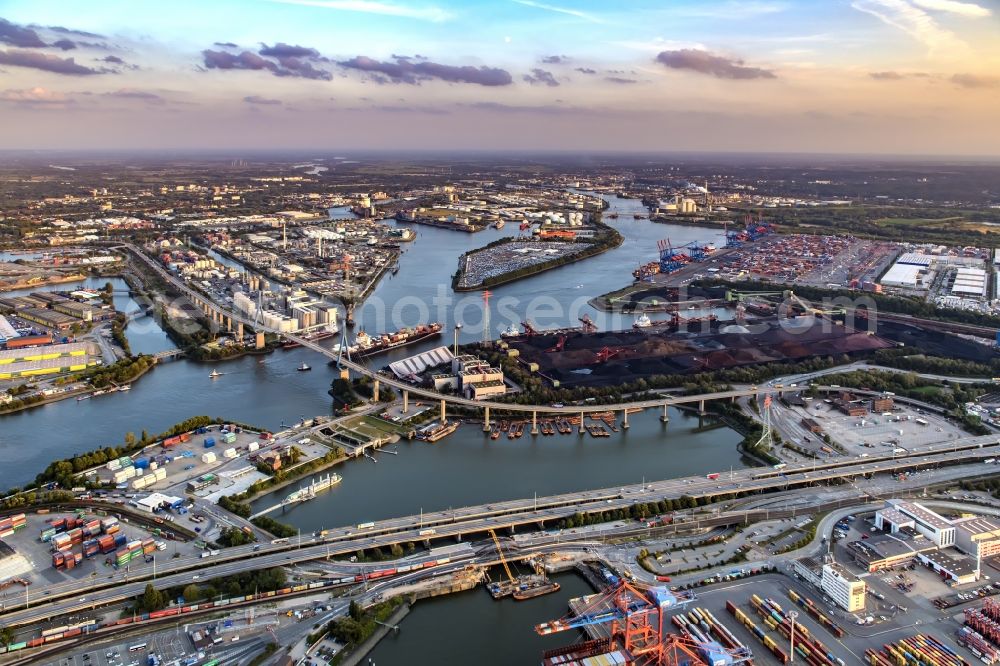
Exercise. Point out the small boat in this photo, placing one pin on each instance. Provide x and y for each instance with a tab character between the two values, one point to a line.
304	367
499	224
512	331
643	321
215	373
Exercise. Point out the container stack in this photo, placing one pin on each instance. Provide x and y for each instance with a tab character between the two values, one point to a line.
977	644
12	524
809	648
814	612
919	650
768	642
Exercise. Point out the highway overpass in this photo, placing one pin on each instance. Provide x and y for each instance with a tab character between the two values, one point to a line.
456	524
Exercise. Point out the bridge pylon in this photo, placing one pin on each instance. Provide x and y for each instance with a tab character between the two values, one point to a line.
342	351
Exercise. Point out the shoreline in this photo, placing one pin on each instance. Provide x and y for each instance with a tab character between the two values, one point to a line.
504	278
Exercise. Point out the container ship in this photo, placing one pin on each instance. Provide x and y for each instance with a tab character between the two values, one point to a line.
367	345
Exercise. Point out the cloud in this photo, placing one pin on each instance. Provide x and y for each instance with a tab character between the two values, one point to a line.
555	60
64	44
263	101
704	62
46	63
975	81
227	45
967	9
914	21
569	11
35	97
619	79
16	35
586	70
887	76
282	50
435	14
67	31
540	77
112	59
247	60
403	70
132	93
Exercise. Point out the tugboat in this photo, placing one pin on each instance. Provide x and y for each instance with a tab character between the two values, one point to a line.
304	367
215	373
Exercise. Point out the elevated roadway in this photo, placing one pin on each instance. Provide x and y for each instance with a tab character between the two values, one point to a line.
456	524
222	315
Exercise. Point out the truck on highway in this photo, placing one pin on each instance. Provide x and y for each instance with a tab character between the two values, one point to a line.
713	476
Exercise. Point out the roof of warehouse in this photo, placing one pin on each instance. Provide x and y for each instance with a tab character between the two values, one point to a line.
977	526
65	348
922	514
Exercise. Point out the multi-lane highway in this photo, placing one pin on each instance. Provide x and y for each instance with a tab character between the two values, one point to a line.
462	522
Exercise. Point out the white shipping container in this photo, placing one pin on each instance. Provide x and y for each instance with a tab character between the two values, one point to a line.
114	465
139	483
208	457
161	474
230	453
253	446
153	466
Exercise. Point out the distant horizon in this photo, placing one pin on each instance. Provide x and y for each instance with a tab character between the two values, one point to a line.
848	77
388	153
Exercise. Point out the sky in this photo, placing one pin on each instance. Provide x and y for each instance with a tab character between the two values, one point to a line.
901	77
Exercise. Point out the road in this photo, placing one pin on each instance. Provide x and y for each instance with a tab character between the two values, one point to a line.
456	523
665	401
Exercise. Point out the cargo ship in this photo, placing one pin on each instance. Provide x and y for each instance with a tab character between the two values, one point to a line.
652	268
535	590
512	331
523	587
367	345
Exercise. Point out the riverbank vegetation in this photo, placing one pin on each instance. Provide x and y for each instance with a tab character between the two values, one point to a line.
360	624
252	581
607	238
64	472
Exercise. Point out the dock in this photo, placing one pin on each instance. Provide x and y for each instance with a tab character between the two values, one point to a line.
302	494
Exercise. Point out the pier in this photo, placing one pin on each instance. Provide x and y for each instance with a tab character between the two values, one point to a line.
302	494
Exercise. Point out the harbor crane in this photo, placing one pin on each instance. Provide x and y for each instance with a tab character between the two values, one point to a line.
635	621
558	346
503	560
588	324
606	354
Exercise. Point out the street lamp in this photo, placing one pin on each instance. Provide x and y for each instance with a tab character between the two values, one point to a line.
791	649
458	327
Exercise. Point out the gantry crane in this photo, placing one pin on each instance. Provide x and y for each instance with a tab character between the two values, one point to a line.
558	346
636	630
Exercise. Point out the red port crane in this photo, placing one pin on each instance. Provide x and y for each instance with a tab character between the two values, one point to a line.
588	324
606	354
636	630
529	328
558	347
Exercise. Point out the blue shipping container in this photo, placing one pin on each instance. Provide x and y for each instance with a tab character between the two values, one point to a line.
120	539
209	442
141	463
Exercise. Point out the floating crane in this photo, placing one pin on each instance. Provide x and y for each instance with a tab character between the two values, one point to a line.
636	618
588	324
503	560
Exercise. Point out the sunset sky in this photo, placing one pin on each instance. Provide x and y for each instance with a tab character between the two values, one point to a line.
860	76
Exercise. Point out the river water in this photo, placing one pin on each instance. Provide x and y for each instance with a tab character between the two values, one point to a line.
268	391
464	468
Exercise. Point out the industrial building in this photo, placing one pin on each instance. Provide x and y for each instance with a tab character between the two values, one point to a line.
886	551
969	282
907	276
959	569
899	513
473	377
156	501
978	536
50	318
846	589
47	360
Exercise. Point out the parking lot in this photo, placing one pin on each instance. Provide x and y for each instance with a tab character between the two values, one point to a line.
27	544
170	646
905	427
